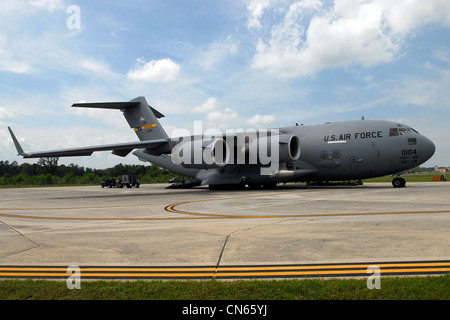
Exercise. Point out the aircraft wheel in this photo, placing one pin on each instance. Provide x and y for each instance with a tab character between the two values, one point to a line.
398	183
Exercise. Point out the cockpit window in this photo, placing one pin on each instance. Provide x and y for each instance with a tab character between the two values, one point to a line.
393	132
401	131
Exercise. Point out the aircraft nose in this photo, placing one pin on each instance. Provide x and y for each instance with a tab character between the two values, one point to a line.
428	148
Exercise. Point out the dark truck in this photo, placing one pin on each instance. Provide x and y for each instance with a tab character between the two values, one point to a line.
129	181
109	183
126	180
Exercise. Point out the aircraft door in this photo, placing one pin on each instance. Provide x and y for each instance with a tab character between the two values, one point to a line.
354	163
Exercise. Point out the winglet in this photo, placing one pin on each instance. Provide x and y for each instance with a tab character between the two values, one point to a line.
16	143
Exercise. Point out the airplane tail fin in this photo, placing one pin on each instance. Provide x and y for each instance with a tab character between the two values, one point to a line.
141	117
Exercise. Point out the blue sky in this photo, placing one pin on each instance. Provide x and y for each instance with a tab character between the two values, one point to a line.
231	64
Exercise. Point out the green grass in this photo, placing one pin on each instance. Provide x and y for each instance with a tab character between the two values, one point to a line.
409	177
392	288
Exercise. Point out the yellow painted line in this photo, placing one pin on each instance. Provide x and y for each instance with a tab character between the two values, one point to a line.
81	208
171	208
222	274
150	269
327	272
197	215
111	269
78	208
232	268
345	266
29	269
109	275
230	271
192	216
201	216
103	219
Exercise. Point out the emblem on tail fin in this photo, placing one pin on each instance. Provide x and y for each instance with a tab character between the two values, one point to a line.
145	127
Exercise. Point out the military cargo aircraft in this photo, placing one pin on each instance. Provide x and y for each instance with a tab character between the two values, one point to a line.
334	151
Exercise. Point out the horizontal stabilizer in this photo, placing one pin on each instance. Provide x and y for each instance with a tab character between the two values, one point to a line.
107	105
116	105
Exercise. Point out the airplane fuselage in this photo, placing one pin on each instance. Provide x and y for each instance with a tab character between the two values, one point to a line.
349	150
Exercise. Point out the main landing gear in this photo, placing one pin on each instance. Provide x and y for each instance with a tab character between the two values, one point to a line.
398	182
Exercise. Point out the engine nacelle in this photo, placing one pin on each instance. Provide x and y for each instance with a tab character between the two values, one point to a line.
265	149
201	154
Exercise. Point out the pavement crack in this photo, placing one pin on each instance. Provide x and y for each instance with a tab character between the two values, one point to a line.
20	233
223	247
219	260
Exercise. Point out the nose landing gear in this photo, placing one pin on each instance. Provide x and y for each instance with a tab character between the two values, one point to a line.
398	182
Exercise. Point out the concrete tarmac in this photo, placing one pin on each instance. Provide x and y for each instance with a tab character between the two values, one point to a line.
292	224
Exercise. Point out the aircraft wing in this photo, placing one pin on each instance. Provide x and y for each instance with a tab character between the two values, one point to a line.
120	149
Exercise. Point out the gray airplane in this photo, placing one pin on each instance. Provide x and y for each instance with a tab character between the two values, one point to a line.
334	151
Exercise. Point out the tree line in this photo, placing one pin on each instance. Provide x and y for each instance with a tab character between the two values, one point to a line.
47	171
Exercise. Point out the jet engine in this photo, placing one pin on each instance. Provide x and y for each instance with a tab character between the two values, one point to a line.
262	149
201	153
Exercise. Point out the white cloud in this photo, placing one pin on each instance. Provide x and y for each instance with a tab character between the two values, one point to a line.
207	106
5	114
26	48
431	93
229	118
18	7
349	32
97	67
164	70
223	119
255	11
49	5
215	53
261	120
8	60
406	16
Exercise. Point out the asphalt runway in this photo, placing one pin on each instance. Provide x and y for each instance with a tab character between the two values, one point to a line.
291	231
